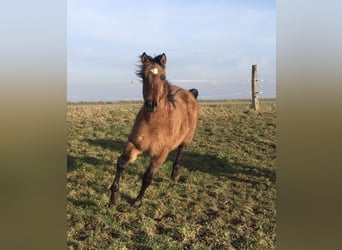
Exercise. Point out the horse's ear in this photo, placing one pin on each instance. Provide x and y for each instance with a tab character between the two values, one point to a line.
163	60
144	58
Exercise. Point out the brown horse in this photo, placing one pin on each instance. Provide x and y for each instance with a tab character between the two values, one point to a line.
167	121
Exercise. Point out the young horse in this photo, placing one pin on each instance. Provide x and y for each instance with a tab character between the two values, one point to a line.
167	121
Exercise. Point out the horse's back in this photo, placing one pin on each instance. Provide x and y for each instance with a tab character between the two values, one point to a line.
186	109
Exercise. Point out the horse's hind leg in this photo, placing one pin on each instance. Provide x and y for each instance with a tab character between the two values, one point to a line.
175	167
129	154
155	164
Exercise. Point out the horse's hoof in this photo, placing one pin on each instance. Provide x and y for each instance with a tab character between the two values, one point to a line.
137	203
114	199
175	177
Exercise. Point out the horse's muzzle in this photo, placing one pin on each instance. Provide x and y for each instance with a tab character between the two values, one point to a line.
151	105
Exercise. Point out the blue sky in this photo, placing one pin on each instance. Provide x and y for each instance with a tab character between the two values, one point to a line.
210	45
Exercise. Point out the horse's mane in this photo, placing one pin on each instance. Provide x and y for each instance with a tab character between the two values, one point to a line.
170	96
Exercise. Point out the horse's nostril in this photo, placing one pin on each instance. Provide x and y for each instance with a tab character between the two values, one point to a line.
151	105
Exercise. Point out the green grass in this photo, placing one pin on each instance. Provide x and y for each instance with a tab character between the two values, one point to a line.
224	199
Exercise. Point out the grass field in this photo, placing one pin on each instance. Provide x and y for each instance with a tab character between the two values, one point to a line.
224	199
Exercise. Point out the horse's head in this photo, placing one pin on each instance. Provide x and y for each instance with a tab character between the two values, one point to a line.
154	81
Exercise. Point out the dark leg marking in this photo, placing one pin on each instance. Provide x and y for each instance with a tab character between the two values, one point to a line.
146	181
120	168
175	167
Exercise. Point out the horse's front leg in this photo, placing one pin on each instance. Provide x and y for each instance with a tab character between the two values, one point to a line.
120	168
155	164
130	154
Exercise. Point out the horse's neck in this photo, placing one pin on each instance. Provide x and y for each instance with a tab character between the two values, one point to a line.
163	105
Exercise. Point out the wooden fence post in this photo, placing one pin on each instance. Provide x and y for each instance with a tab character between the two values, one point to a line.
255	98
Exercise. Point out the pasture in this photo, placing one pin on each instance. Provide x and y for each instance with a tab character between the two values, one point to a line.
225	197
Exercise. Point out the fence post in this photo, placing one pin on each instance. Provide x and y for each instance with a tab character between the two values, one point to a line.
255	98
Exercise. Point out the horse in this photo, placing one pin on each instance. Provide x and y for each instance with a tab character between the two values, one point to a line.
166	121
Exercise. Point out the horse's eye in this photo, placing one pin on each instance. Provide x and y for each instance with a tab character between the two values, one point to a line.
162	77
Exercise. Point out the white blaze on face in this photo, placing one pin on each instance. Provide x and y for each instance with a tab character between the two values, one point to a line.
154	71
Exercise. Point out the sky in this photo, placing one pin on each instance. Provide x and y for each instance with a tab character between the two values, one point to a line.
209	45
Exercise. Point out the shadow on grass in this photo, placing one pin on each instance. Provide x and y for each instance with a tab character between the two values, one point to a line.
84	203
114	145
220	167
75	162
193	161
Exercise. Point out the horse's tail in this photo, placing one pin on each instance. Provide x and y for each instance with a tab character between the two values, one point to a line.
194	92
